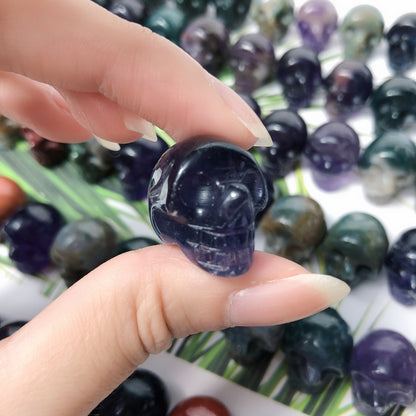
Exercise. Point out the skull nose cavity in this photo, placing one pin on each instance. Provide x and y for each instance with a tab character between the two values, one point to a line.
237	206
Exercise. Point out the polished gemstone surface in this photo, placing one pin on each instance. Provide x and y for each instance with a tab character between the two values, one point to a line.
299	73
400	263
332	150
383	372
81	246
293	227
316	20
29	233
317	350
354	248
12	197
289	135
204	195
200	406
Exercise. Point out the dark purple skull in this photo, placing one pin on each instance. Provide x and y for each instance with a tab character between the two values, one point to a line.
383	372
204	195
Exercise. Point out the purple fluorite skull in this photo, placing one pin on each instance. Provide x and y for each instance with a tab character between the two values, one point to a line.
317	21
383	372
204	195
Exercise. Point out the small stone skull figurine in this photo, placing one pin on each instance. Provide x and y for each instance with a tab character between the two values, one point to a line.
81	246
205	195
252	61
273	17
317	350
401	39
387	166
394	104
293	227
317	20
354	247
383	372
400	263
348	88
361	31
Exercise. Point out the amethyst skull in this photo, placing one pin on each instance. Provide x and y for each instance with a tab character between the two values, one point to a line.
204	195
383	372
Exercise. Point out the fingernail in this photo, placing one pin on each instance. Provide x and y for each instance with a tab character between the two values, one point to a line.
107	144
140	125
284	300
243	112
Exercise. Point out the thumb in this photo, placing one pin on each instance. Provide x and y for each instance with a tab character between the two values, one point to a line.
83	345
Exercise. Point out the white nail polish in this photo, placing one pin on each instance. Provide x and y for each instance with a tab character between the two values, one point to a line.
140	125
108	145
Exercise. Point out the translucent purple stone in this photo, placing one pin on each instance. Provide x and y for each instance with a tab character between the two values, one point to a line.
383	372
134	164
317	21
252	61
400	263
206	39
205	196
30	233
332	150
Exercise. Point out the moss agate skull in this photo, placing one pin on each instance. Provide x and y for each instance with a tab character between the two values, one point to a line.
317	349
361	31
394	104
354	247
204	195
293	227
387	166
383	372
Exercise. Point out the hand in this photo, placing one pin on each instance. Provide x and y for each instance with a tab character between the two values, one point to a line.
72	70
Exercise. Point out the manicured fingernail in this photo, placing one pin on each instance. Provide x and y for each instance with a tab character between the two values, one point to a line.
243	112
108	145
140	125
283	300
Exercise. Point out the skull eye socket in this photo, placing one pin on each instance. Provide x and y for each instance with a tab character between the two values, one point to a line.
199	190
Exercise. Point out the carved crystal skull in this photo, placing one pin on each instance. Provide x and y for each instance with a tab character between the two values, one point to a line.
383	372
293	227
400	264
354	248
387	166
273	17
361	31
317	20
252	61
204	195
317	349
394	104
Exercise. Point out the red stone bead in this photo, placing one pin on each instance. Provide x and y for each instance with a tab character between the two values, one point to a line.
200	406
11	197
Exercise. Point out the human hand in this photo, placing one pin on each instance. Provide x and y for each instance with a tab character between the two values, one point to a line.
71	71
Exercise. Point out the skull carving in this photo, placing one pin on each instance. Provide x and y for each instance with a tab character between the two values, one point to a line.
293	227
401	39
387	166
252	61
273	17
317	350
400	263
361	31
354	247
383	372
204	195
299	73
394	103
348	88
317	21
